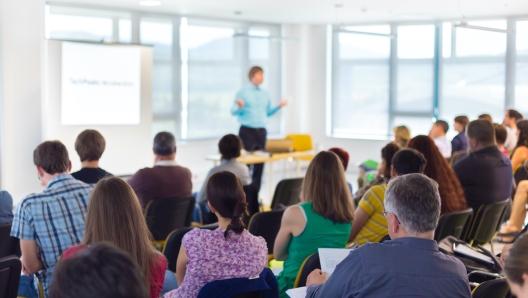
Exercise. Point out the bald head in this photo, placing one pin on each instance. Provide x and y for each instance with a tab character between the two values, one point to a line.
481	134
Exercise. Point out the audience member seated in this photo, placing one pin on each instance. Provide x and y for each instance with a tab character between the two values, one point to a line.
49	222
518	214
6	208
344	157
438	169
369	223
511	118
384	173
485	117
500	138
520	153
485	175
459	142
402	135
227	252
115	216
438	134
516	267
166	179
90	146
229	147
409	265
100	271
323	219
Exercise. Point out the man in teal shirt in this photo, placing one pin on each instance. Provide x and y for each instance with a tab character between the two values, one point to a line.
253	107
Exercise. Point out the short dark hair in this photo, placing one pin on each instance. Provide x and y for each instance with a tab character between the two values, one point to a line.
409	161
253	70
100	270
464	120
230	146
443	124
485	117
52	157
387	153
343	156
500	133
90	145
481	130
164	143
515	114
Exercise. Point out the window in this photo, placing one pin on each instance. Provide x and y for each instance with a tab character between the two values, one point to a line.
471	42
521	69
125	31
73	27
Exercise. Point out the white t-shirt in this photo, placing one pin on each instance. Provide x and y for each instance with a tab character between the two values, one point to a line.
444	146
511	139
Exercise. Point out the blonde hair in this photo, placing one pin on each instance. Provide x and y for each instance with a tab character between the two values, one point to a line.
114	215
404	133
325	186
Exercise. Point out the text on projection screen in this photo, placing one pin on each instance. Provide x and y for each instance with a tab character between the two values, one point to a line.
100	84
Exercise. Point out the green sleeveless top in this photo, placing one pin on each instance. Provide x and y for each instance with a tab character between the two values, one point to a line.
319	232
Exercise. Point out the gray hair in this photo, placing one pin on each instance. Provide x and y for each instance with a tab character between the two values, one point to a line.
415	201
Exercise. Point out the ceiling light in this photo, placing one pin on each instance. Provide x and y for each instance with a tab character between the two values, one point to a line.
271	38
467	26
150	3
342	29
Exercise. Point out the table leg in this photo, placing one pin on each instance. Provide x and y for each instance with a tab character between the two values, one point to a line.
298	167
270	181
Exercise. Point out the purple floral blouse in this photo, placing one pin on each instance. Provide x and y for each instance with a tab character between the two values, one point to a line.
212	257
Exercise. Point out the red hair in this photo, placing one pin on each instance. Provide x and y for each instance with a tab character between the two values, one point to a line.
342	154
437	168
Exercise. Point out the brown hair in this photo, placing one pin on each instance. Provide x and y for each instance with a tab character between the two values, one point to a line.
325	186
485	117
522	126
387	153
343	156
438	169
254	70
90	145
483	131
230	146
114	215
52	157
516	264
462	120
404	133
226	195
501	134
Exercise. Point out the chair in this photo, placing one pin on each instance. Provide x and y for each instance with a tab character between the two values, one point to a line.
301	142
453	224
310	264
486	223
265	286
287	192
166	215
10	268
266	225
497	288
457	156
385	238
9	245
252	199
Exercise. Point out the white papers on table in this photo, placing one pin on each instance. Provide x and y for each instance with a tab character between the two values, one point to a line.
331	257
297	292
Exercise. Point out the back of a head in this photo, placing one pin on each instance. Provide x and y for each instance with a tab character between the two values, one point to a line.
522	127
226	195
482	131
100	271
403	132
90	145
343	156
515	114
325	186
486	117
516	265
52	157
387	154
500	133
409	161
230	146
444	125
415	200
164	144
462	120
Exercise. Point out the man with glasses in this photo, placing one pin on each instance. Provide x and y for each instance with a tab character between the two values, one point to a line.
408	265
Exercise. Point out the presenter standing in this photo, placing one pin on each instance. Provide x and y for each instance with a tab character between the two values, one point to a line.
253	107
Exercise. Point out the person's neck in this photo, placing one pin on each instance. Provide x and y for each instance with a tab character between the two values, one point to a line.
223	222
426	236
440	136
48	177
165	157
256	85
90	164
480	147
513	126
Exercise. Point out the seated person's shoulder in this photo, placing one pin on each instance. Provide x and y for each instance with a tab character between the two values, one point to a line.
4	195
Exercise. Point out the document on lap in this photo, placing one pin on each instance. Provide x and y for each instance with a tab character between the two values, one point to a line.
331	257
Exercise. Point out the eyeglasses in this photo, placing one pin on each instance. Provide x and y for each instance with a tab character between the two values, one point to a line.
386	214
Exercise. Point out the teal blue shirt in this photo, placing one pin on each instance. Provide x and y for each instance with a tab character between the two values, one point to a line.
257	107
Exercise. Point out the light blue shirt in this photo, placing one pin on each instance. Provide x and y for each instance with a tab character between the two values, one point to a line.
257	107
231	165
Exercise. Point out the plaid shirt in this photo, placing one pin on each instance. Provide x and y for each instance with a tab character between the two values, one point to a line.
54	219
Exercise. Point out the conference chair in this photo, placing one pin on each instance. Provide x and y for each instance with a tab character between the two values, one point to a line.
287	193
486	223
10	269
310	264
266	225
9	245
300	143
453	224
252	200
457	156
265	286
166	215
385	238
497	288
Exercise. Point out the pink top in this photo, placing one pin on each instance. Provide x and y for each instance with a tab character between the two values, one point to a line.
212	257
157	270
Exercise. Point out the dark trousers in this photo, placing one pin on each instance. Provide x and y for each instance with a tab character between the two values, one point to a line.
254	139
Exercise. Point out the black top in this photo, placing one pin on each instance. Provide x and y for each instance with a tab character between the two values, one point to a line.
90	175
486	177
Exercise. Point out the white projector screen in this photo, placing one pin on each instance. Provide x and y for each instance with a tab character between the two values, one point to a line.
101	84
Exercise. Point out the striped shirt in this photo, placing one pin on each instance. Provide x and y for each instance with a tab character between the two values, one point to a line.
54	219
376	226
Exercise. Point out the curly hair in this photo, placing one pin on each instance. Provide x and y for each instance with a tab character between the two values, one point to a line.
437	168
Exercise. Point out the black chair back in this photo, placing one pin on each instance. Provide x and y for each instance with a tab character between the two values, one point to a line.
521	173
251	192
310	264
10	268
486	223
453	224
385	238
497	288
266	225
287	192
166	215
8	245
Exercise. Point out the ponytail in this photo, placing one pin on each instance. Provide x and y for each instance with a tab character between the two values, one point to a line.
237	225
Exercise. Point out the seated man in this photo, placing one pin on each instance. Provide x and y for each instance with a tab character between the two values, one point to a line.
6	208
485	174
166	179
408	265
50	222
90	145
369	223
438	134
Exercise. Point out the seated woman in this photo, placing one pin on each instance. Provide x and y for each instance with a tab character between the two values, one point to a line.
402	135
227	252
516	267
437	168
518	214
323	220
520	153
114	215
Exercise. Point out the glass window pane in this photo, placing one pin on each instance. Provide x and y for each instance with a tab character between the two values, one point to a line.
125	31
416	42
210	43
417	125
72	27
446	39
522	38
162	97
160	35
164	125
259	48
521	88
471	42
360	46
415	87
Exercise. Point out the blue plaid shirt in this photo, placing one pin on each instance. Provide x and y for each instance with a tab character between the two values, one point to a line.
54	219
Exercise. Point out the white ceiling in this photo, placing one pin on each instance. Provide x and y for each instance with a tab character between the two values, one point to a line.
324	11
